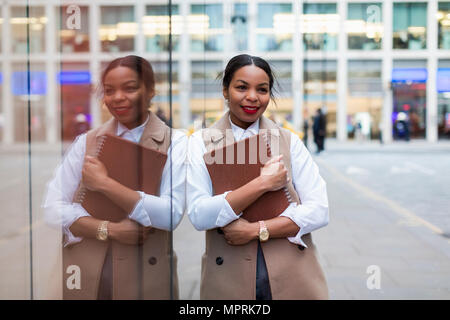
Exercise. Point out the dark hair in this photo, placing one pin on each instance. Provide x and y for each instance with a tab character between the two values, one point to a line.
138	64
243	60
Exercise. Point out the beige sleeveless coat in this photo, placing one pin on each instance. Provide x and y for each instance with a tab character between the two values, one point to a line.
229	272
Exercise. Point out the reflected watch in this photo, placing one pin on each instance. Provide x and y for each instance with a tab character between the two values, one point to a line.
263	232
102	231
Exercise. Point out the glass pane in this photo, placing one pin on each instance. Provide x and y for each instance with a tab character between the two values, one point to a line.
118	28
1	32
239	22
74	80
275	27
319	25
36	77
410	25
364	100
364	26
205	24
73	29
320	90
443	89
282	109
156	28
161	101
37	21
443	18
206	90
2	114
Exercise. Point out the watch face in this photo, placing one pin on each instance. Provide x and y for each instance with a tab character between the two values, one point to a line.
103	235
264	235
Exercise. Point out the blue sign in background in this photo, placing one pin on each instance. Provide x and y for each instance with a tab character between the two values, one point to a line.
443	80
38	83
409	75
74	77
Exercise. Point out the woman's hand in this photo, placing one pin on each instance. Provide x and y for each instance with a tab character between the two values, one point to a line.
94	173
128	232
274	174
240	232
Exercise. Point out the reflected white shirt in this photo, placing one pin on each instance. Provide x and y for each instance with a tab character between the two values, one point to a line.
149	210
208	212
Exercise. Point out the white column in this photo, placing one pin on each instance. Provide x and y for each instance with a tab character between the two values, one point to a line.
228	36
297	68
94	43
432	98
387	70
51	112
8	131
184	68
341	116
139	13
252	25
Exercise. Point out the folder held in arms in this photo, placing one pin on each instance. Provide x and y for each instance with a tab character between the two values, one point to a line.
234	165
132	165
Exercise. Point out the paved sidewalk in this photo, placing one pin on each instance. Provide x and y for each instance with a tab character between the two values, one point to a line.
367	229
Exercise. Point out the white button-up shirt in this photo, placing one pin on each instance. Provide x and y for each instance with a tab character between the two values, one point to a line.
150	210
208	212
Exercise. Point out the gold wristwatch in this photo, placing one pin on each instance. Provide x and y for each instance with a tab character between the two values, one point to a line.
102	231
263	232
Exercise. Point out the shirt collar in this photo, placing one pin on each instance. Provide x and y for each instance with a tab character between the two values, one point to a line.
240	133
135	132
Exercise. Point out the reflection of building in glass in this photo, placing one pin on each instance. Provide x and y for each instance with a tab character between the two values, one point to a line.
363	62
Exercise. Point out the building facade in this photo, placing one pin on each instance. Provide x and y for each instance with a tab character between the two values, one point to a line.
377	68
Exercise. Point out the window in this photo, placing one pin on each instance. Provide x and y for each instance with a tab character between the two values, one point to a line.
118	28
443	18
206	27
74	29
365	99
282	89
275	27
74	80
206	92
239	23
443	88
156	28
2	116
364	26
161	100
410	26
320	89
320	25
23	101
37	24
1	27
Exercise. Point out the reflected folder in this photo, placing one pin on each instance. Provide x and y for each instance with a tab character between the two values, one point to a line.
228	174
132	165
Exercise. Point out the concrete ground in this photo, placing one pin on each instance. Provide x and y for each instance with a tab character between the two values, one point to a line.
388	236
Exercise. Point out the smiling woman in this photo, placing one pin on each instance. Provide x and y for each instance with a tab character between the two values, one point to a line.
128	87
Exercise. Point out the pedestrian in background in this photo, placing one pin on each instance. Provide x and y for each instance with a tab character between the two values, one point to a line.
319	130
305	132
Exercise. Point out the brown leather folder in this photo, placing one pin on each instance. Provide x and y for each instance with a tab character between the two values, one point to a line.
131	164
228	174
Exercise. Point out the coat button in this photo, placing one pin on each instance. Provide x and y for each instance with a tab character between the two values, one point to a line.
219	231
301	247
152	261
219	261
